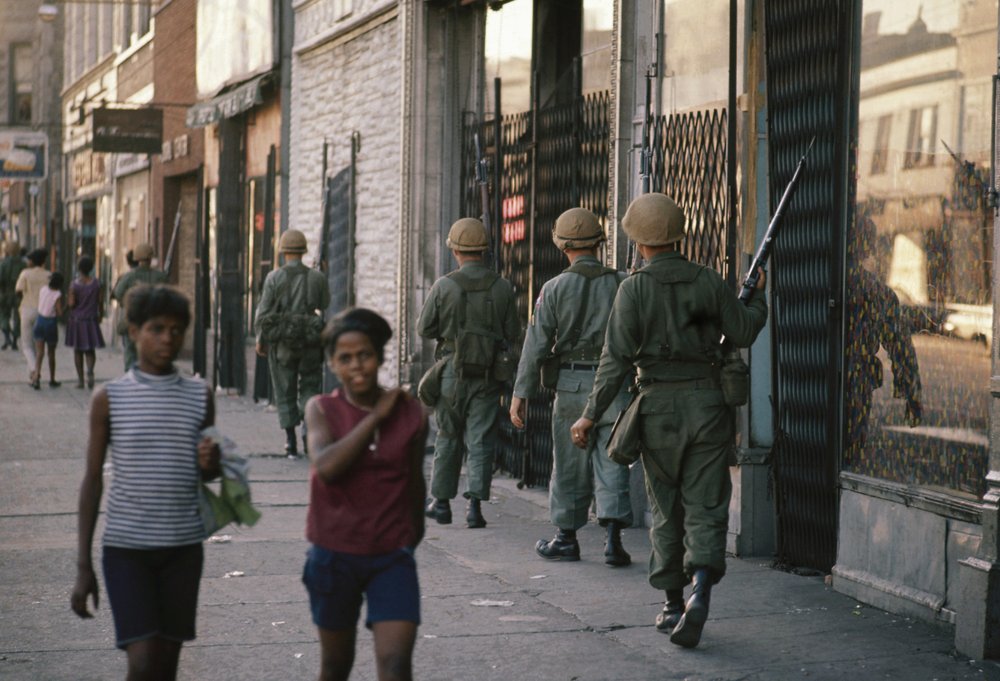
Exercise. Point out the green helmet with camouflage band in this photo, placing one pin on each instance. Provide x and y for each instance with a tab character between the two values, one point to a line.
468	235
577	228
654	220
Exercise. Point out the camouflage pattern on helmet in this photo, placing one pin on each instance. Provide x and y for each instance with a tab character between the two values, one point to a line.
468	235
293	241
654	220
143	251
577	228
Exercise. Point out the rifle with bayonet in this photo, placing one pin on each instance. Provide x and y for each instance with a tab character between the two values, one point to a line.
483	180
734	372
764	250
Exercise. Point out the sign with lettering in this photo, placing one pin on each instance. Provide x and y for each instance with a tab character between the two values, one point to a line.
137	131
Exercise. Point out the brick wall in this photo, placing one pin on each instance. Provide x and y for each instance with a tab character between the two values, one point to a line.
338	88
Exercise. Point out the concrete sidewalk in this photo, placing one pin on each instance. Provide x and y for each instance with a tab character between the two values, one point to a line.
491	608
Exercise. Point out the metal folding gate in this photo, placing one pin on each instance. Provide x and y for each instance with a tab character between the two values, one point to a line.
570	168
807	95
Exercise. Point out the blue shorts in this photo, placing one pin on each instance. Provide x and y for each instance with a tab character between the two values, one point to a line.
46	330
153	592
336	583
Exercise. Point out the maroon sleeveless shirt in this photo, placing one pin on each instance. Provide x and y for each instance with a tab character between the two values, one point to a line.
368	511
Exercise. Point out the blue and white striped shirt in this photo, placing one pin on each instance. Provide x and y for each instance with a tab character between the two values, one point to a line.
155	428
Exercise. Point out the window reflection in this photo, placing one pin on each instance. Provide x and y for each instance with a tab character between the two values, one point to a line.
508	55
919	312
695	55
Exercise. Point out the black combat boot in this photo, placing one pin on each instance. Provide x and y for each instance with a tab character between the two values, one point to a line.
305	442
667	620
439	510
6	340
563	546
615	554
474	514
290	447
687	633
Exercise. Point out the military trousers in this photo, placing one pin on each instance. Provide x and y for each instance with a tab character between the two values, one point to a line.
466	416
8	313
129	354
580	476
686	436
296	376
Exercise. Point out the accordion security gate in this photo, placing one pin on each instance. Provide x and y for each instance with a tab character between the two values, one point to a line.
570	168
807	95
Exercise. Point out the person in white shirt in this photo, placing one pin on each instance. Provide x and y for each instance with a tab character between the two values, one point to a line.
46	331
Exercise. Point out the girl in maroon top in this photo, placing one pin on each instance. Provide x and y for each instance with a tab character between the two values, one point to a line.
365	518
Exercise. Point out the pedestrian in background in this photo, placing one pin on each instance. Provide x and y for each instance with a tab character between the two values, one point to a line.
46	332
29	283
151	418
365	517
472	316
10	268
86	309
288	325
666	323
142	274
565	336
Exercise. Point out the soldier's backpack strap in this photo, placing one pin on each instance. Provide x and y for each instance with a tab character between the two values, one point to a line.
590	272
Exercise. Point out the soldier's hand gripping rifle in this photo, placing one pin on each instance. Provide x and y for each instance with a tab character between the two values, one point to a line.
764	250
483	180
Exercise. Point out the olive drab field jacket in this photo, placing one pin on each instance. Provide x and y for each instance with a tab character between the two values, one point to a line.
667	321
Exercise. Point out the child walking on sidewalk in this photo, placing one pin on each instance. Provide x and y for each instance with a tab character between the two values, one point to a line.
46	331
86	309
365	516
152	549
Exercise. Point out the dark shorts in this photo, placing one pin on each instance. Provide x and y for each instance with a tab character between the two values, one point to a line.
46	330
153	592
337	583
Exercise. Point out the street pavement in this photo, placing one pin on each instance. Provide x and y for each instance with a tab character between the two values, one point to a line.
491	608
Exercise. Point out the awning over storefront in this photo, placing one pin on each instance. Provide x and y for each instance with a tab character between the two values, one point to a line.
228	104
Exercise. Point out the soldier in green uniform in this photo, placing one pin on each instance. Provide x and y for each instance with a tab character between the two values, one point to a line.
288	324
666	323
566	333
10	268
141	274
472	316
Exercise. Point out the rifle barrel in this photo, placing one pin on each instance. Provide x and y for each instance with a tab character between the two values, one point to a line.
764	250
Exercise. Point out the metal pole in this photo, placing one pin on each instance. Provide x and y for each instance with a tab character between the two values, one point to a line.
732	267
498	173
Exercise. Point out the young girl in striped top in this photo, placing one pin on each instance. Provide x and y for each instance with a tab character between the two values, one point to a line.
152	552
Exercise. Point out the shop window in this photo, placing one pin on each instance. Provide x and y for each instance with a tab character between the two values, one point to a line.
919	310
508	54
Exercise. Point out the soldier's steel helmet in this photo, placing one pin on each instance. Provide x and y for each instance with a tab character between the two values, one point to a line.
292	241
654	220
467	235
143	251
577	228
12	248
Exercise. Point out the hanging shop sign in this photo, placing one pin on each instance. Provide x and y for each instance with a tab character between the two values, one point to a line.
23	155
241	98
137	131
